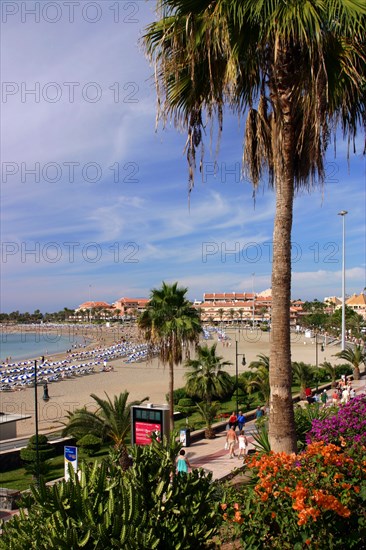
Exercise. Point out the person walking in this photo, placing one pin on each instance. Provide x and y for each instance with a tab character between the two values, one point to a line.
182	463
231	440
241	421
243	444
324	398
258	413
233	420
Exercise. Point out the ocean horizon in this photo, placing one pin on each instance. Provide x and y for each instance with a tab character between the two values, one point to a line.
30	345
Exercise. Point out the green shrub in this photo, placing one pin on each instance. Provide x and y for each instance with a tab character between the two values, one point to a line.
179	393
345	368
29	454
90	444
186	405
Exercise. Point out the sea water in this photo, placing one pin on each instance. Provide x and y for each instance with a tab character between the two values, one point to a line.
29	345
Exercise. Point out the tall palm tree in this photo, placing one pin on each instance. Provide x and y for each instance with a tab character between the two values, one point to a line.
170	322
220	312
356	356
294	69
206	377
111	421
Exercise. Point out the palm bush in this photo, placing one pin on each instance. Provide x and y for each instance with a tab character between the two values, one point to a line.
110	422
208	412
355	356
206	378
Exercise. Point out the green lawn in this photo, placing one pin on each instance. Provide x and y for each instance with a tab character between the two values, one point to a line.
20	480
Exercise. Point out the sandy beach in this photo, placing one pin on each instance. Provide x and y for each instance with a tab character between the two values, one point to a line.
140	379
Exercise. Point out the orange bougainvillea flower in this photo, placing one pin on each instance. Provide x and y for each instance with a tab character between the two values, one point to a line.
223	506
236	506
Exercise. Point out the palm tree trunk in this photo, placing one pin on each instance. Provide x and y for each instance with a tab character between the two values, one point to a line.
124	459
356	372
171	395
282	433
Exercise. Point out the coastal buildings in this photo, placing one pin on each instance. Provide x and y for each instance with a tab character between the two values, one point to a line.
218	307
357	302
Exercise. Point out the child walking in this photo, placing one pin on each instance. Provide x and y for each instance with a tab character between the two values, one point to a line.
243	444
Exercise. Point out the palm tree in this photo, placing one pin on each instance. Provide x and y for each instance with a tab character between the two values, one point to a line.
241	312
220	312
294	70
260	378
111	421
206	377
303	373
263	362
170	322
354	356
331	370
208	412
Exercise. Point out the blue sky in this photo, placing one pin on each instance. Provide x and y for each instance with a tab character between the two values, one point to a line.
94	201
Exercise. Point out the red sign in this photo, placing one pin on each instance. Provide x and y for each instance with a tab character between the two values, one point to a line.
143	431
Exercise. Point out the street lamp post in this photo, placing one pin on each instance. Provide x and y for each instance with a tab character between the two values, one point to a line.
253	275
243	362
36	416
36	419
343	343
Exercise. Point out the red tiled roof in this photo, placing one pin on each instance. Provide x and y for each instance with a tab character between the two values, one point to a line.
89	305
359	300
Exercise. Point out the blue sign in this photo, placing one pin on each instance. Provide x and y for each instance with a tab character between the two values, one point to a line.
70	457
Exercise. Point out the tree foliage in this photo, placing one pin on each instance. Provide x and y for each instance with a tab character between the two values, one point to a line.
206	378
110	422
170	324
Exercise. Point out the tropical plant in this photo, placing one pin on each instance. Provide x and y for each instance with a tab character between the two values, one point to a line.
261	440
259	379
346	427
111	421
208	412
206	378
356	356
315	499
170	323
303	374
95	509
331	371
304	417
295	70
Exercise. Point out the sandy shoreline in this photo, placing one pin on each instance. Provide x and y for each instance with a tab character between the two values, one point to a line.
140	379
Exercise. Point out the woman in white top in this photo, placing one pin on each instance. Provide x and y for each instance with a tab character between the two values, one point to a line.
243	444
